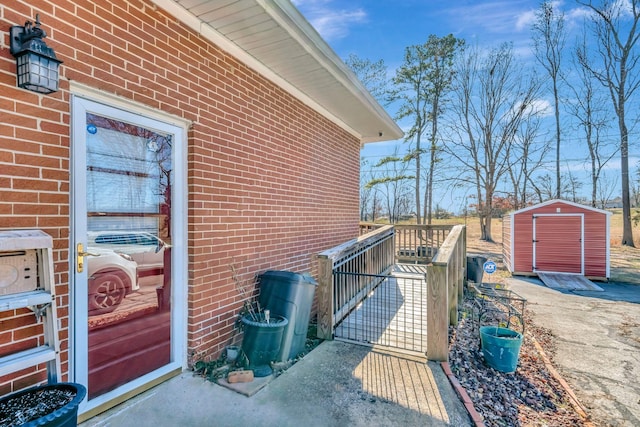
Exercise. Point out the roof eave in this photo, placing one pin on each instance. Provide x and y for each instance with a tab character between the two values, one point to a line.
370	124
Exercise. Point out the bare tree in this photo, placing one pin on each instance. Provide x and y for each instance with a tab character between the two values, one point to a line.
606	190
394	183
373	75
366	193
494	97
615	25
635	188
544	187
548	43
376	206
587	107
573	186
527	155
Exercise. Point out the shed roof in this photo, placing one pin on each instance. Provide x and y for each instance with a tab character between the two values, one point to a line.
274	39
566	202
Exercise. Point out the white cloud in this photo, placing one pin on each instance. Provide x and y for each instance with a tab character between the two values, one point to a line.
525	20
542	107
493	17
329	19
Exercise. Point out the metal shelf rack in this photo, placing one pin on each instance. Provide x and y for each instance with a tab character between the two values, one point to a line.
26	276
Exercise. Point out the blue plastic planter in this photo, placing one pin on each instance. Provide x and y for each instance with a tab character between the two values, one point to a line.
500	347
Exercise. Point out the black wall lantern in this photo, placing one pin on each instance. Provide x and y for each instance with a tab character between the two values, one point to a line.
37	65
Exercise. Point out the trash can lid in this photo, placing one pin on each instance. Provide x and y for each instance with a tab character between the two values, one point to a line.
284	275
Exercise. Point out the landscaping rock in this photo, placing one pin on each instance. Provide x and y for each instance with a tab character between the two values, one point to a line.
528	396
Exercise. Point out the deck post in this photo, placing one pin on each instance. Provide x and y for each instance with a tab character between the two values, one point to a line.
462	265
453	289
325	297
437	313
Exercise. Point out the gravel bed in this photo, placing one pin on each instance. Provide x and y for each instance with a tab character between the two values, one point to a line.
528	397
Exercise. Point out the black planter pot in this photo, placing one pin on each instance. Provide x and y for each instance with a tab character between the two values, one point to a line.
261	342
65	416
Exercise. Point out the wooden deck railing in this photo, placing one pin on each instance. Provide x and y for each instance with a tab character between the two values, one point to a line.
419	243
370	254
414	243
445	276
368	227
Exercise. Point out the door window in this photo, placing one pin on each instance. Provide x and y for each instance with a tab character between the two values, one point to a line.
123	204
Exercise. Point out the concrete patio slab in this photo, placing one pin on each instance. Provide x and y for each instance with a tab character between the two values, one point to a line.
337	384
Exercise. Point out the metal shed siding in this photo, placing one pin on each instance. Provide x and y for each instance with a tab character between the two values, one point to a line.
596	236
507	242
596	247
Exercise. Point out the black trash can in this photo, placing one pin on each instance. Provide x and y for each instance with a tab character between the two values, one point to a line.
289	295
475	271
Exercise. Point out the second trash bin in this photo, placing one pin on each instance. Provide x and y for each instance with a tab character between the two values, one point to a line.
474	268
289	295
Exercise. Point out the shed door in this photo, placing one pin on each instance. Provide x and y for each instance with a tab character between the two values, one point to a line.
558	243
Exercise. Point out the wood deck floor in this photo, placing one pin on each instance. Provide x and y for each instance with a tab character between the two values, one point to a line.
394	314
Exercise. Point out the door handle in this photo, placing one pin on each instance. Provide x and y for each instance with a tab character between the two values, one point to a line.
80	254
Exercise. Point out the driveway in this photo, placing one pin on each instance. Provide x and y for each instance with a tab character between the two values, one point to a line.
598	344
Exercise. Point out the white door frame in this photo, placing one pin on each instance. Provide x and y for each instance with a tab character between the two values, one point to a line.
85	99
581	216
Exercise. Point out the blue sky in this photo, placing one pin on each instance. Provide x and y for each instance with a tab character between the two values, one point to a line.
381	29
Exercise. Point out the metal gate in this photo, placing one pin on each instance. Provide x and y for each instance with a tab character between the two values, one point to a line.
392	314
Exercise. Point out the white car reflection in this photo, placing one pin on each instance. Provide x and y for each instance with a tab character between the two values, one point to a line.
111	277
126	260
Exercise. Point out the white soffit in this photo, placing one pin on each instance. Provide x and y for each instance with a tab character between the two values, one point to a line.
274	39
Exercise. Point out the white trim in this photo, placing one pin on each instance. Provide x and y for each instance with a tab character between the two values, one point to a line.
322	53
533	244
550	202
112	106
513	245
608	246
135	107
231	48
581	216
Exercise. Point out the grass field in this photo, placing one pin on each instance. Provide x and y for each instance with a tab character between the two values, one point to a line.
625	261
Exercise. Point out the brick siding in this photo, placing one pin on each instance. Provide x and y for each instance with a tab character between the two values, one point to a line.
270	181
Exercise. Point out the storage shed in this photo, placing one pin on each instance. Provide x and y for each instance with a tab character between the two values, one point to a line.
557	236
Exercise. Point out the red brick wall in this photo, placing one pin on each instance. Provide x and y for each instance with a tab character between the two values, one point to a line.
270	181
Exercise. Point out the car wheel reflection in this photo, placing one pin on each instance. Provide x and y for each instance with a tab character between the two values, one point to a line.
107	289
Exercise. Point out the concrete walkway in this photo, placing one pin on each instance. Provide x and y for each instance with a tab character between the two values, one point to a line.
337	384
598	344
